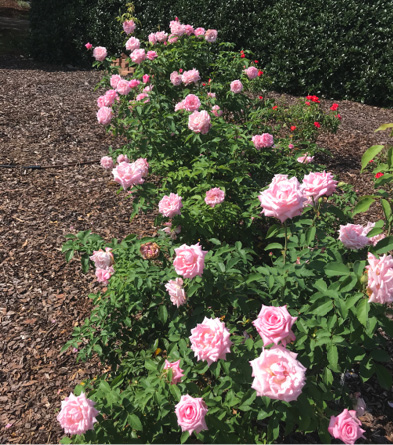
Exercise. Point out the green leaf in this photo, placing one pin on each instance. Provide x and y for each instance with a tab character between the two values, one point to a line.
363	205
332	356
274	246
384	246
69	255
384	376
134	421
184	437
383	127
390	157
163	314
310	235
85	260
362	309
322	309
336	269
387	210
174	389
370	154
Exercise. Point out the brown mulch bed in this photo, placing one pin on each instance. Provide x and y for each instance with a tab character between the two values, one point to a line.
48	117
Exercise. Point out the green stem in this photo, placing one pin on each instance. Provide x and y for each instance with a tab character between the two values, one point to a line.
285	242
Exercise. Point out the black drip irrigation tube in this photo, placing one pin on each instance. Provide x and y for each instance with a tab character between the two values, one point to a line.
41	167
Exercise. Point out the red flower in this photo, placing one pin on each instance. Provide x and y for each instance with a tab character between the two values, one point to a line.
372	160
260	97
338	116
378	175
203	84
334	107
180	70
242	55
256	61
317	124
293	128
260	72
210	80
313	99
275	107
307	103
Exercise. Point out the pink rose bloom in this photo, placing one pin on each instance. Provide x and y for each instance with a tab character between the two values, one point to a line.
109	97
346	427
104	115
88	46
278	375
103	275
142	96
122	158
138	55
115	79
145	78
191	414
291	146
143	166
101	102
374	240
133	83
127	174
216	110
177	372
213	95
151	55
173	39
100	53
77	414
274	325
170	206
180	105
264	140
211	35
161	36
380	279
251	72
191	102
148	88
188	29
353	236
190	260
176	292
101	259
200	32
191	76
236	86
106	162
318	184
283	199
199	122
123	87
210	340
305	159
132	44
172	233
278	178
214	196
152	38
176	78
129	26
177	28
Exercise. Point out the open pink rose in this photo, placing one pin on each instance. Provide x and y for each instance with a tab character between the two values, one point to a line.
115	79
191	76
353	236
176	292
305	159
216	110
251	72
100	53
188	30
104	115
176	78
106	162
283	199
180	106
346	427
143	166
278	375
152	38
177	28
110	97
274	325
161	36
191	414
123	87
200	32
138	55
128	174
211	35
264	140
214	196
380	279
191	102
190	260
129	26
236	86
122	158
170	206
77	414
103	275
210	340
103	259
143	97
177	372
132	44
199	122
318	184
151	55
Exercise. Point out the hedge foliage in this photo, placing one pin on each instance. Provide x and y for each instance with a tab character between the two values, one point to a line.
341	50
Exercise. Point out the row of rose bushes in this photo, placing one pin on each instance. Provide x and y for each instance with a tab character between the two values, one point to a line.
241	318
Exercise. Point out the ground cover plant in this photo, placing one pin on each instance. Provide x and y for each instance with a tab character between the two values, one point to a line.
232	325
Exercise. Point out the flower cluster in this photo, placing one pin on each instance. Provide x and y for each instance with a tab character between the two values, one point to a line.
103	261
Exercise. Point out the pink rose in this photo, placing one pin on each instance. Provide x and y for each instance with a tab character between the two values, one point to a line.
251	72
180	106
191	102
176	78
212	95
103	275
138	55
291	146
127	174
236	86
152	38
274	325
77	414
188	29
115	79
145	78
104	115
199	122
264	140
191	414
101	259
283	199
305	159
318	184
142	96
170	206
176	292
143	166
133	83
132	44
161	36
109	97
380	279
88	46
100	53
278	178
200	32
210	340
173	39
101	102
211	35
129	26
122	158
189	261
106	162
177	372
171	232
278	375
177	28
148	88
346	427
374	240
123	87
214	196
191	76
216	111
353	236
151	55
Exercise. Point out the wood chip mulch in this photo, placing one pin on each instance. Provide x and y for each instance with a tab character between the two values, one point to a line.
48	117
